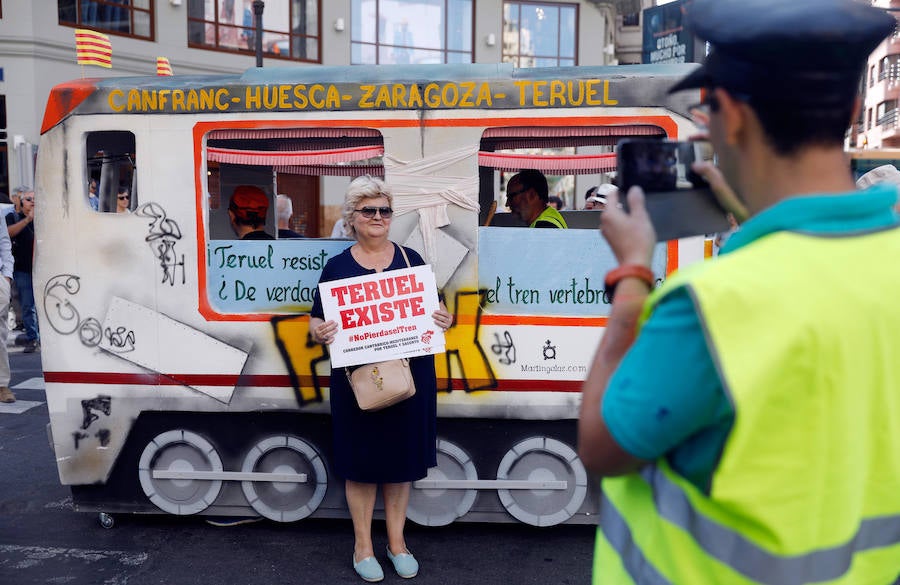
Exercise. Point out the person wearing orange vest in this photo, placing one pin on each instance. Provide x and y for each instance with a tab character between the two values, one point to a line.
745	416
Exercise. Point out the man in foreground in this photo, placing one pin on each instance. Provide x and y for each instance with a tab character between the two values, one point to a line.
750	431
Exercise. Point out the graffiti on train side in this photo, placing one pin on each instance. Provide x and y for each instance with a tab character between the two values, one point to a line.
120	339
504	348
464	349
101	404
126	323
62	315
162	237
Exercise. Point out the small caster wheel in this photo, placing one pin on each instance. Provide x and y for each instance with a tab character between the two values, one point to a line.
106	520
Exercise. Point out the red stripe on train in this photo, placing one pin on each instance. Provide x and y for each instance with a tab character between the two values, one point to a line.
278	381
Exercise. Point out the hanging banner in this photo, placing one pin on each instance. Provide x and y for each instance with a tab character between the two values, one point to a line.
382	316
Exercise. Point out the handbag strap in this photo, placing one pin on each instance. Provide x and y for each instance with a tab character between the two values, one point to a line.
405	257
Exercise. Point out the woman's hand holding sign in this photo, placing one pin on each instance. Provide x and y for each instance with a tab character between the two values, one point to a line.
322	331
442	317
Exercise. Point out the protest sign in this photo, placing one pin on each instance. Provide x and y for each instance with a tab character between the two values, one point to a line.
382	316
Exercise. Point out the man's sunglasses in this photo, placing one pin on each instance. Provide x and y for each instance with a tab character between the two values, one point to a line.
369	212
123	197
28	199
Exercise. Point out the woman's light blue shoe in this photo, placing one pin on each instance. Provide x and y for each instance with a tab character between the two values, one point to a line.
405	564
368	569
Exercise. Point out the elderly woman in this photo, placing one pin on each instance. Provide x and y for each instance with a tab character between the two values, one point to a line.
391	447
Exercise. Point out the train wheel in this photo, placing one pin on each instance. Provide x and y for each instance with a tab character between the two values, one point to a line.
437	505
180	453
290	500
542	459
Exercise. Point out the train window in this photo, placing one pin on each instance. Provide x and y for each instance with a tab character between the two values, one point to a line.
311	166
573	159
245	171
561	273
111	185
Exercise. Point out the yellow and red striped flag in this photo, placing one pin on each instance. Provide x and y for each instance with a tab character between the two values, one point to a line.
92	48
163	67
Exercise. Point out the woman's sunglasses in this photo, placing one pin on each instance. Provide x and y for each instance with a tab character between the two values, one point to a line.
369	212
123	197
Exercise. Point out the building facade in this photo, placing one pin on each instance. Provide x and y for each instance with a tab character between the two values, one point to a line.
37	43
878	125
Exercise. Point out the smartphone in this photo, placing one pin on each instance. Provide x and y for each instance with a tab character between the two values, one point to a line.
679	201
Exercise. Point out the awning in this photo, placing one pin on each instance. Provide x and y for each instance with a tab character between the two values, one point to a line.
347	152
552	164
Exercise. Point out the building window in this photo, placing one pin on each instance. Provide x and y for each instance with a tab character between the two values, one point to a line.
886	115
291	29
411	31
889	68
540	35
125	17
631	19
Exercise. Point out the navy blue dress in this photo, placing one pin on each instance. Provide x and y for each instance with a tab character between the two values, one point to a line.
393	445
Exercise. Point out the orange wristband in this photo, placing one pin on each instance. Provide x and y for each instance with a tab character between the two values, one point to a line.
614	276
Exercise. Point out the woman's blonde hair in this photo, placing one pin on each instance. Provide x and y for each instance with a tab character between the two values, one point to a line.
361	188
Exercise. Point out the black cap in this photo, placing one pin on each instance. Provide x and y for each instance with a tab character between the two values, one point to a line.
798	51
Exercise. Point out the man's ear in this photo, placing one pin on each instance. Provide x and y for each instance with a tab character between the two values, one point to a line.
733	114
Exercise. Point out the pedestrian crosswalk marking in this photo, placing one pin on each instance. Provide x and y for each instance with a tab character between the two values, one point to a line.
36	383
20	406
17	407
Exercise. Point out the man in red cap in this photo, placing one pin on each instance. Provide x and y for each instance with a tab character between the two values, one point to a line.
247	211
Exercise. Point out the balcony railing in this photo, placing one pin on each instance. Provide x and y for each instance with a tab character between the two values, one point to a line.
888	121
891	73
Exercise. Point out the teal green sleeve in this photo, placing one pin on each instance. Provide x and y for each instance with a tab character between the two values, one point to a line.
665	398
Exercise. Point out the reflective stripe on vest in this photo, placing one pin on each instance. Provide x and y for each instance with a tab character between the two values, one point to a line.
616	531
731	547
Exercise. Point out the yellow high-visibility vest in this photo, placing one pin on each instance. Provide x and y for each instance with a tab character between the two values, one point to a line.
553	216
805	335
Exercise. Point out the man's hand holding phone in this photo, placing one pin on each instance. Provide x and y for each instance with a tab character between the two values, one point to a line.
679	202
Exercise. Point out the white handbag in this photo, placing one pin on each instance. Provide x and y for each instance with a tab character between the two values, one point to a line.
381	384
